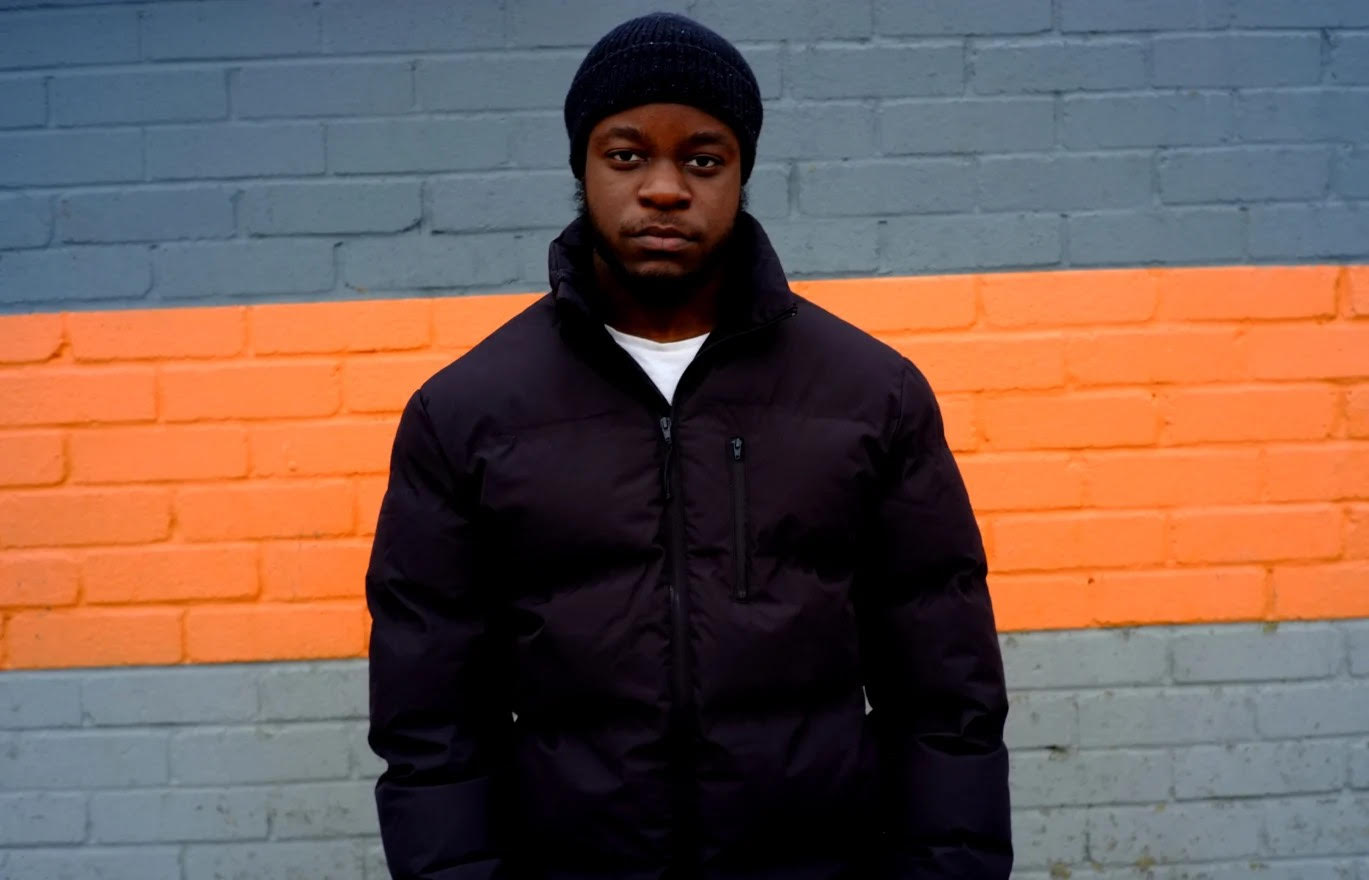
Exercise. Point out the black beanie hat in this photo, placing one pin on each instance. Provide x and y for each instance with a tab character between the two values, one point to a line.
663	58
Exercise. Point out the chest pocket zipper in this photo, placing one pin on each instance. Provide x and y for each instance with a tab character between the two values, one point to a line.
736	460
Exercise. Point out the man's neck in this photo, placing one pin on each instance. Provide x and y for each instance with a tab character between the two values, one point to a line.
693	316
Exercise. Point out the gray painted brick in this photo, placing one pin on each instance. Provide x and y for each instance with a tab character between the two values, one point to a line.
237	268
375	863
1296	13
1129	15
1309	230
1143	120
970	241
877	71
145	214
93	863
1049	837
765	62
428	261
1249	769
323	809
171	696
1048	779
366	764
275	753
323	88
1051	65
1216	60
42	817
502	81
886	186
330	207
1037	718
966	125
1359	765
544	22
476	202
1177	832
1318	826
1351	177
418	145
235	150
530	250
23	101
956	17
1241	653
47	158
785	19
537	140
1084	658
78	273
138	96
1165	716
1330	709
816	247
25	221
767	193
1065	182
1357	641
296	860
82	759
39	699
823	130
1261	869
418	26
1303	115
178	815
1349	59
1178	235
1233	174
42	39
329	690
229	30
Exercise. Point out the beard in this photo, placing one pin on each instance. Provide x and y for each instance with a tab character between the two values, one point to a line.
652	289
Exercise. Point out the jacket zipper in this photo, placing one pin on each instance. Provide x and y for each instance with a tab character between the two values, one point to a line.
682	707
737	472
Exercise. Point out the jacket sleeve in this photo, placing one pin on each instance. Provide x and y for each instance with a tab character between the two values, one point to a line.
932	665
436	716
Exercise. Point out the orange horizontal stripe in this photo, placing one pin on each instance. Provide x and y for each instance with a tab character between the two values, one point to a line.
1142	446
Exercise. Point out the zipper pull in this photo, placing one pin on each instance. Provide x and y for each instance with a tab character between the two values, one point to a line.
737	454
665	462
665	429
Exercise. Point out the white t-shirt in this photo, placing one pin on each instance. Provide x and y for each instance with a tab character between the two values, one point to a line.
663	362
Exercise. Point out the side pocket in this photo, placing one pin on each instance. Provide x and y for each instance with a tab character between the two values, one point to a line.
741	550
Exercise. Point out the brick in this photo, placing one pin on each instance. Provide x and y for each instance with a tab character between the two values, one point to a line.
1317	826
138	96
1289	412
1349	59
226	30
1355	281
177	815
825	247
1053	65
891	305
323	88
43	39
1318	592
260	753
1075	420
25	221
275	509
1352	174
188	695
1308	352
38	578
818	130
248	149
1124	15
1357	412
40	699
64	517
1242	653
93	637
1156	355
1171	478
535	140
1175	235
46	760
1054	836
318	328
216	332
876	71
1064	182
384	383
482	202
30	338
42	817
334	859
1031	601
95	863
1292	13
886	186
544	22
58	275
1229	60
53	158
975	242
1316	473
1038	719
322	448
1359	766
982	362
169	573
961	422
427	262
1123	598
1335	231
323	809
767	194
1302	115
501	81
330	207
951	125
152	454
23	102
31	458
1090	122
336	689
1253	769
1084	658
1049	779
299	388
1244	174
1172	833
1033	299
365	763
220	269
956	18
227	633
413	145
152	214
1012	481
1247	292
1161	716
1252	534
784	19
64	395
370	494
1313	709
296	570
421	26
1357	641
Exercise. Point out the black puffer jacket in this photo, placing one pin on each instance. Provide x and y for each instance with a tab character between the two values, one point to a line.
681	604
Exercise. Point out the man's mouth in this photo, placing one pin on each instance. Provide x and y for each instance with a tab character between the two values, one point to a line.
662	238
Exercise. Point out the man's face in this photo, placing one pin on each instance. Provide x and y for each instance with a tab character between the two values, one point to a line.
662	190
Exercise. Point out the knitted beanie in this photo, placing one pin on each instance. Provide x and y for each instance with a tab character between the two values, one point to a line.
663	58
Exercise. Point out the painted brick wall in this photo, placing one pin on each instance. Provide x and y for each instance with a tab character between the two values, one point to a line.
190	153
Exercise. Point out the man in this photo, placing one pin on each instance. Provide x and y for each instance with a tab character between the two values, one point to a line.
646	548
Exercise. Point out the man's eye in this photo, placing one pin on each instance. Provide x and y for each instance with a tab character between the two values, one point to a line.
705	161
625	155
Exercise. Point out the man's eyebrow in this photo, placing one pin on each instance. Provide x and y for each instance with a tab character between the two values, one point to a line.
701	138
631	132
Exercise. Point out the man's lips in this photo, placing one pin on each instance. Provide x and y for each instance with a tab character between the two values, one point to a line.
662	238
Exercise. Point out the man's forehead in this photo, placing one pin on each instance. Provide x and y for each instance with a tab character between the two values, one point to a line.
647	122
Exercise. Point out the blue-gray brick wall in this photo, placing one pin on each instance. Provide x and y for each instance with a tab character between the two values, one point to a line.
176	153
1227	751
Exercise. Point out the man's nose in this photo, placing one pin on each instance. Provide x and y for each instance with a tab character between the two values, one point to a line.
664	187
